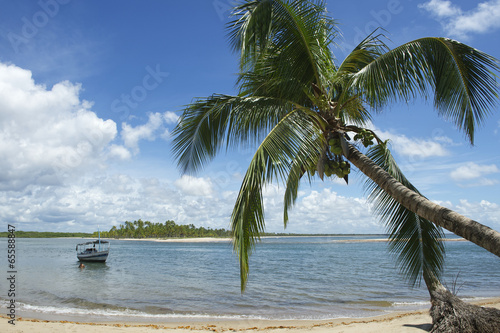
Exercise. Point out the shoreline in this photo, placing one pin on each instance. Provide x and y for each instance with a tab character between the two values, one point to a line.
411	321
176	240
217	239
229	239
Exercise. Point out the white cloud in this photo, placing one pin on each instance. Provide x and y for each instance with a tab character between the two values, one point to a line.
190	185
119	152
132	135
472	174
332	213
472	170
323	211
441	8
456	22
416	147
171	118
46	135
150	131
107	201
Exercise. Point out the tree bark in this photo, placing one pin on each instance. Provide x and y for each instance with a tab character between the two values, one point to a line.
450	314
458	224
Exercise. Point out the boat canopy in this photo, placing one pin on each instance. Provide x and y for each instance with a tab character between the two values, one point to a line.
86	245
93	242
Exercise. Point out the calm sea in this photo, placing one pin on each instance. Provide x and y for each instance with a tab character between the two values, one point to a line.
290	278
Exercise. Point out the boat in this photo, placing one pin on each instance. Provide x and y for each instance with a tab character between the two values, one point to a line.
96	250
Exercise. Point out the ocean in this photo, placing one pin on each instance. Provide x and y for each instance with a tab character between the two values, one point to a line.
290	278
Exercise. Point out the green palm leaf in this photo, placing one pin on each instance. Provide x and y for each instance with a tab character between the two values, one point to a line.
368	50
208	124
283	147
462	78
414	240
305	162
285	40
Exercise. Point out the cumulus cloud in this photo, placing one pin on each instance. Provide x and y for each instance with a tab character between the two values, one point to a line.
472	170
473	174
110	200
417	147
190	185
171	118
459	23
332	212
149	131
46	134
319	211
441	8
119	152
132	135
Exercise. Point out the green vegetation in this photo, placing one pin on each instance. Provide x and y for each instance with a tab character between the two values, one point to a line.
169	229
46	234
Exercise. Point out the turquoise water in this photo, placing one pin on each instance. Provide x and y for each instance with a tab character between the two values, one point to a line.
290	278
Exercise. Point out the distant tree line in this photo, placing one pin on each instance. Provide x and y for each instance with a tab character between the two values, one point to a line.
169	229
146	229
46	234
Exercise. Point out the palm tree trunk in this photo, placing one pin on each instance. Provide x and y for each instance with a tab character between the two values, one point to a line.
450	314
460	225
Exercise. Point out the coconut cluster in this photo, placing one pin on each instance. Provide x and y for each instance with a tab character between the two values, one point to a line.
366	137
335	165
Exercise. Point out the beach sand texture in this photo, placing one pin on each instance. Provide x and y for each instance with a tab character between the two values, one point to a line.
417	321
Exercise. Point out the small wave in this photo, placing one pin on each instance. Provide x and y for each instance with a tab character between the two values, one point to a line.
124	313
416	303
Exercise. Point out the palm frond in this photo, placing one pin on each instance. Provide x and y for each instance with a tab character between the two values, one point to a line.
462	79
353	111
363	54
272	161
208	124
414	240
287	39
305	163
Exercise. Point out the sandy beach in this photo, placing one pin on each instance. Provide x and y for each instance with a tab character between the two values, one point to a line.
215	239
416	321
175	240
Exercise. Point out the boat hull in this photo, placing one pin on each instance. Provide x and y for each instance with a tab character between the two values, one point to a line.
94	256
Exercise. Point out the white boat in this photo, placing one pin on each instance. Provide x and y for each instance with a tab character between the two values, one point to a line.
88	251
97	250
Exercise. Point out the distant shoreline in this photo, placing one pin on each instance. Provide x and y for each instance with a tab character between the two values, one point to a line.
383	238
175	240
217	240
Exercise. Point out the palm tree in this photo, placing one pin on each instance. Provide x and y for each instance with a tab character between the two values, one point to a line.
308	117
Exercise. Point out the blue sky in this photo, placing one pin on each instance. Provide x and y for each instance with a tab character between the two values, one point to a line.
91	90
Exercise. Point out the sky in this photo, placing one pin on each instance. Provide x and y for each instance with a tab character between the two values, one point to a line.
90	92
